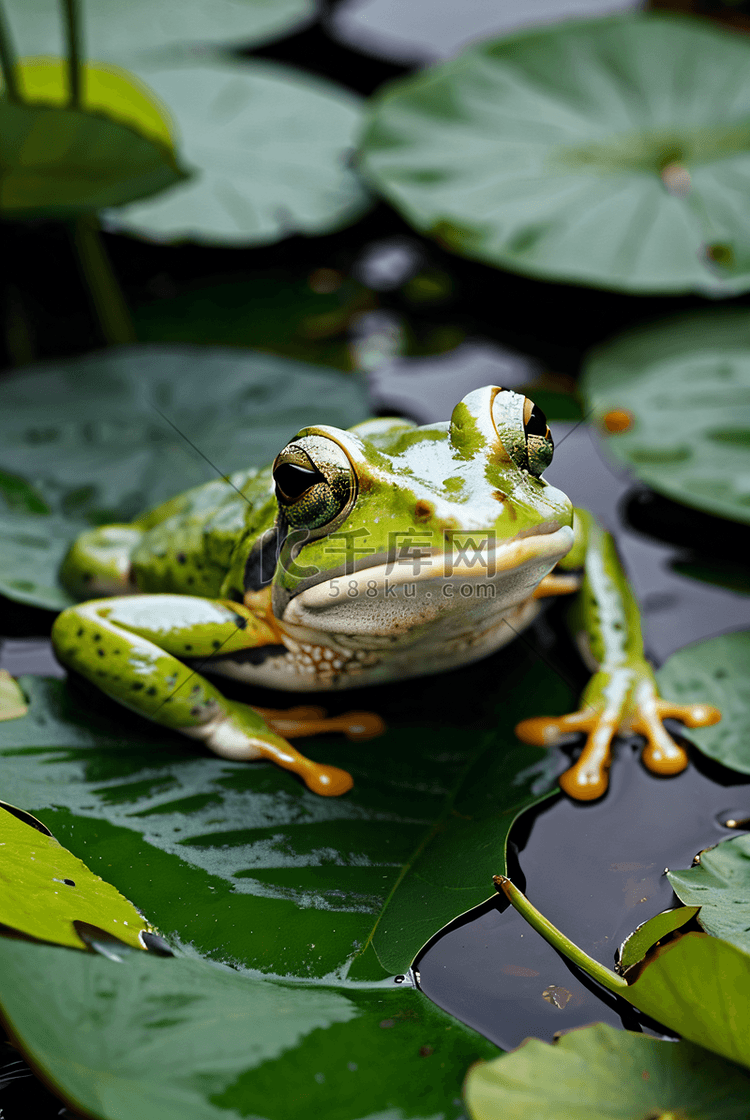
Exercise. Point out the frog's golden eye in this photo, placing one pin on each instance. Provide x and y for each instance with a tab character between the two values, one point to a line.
315	483
539	445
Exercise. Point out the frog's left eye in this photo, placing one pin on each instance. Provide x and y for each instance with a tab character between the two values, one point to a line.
539	445
315	482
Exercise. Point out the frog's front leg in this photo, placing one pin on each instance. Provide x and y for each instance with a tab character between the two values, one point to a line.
130	649
622	695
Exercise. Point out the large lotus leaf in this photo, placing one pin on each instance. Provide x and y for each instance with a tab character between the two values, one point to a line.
683	389
44	889
114	30
270	149
32	549
599	1071
613	152
718	672
720	885
180	1039
106	435
246	865
60	161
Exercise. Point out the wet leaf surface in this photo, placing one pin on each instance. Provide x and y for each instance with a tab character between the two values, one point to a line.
716	671
720	885
170	1039
683	386
606	153
269	147
245	865
103	437
45	890
599	1071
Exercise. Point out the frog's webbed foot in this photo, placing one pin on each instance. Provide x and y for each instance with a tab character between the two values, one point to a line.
293	723
625	705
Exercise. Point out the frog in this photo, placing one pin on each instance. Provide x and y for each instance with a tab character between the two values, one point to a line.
358	557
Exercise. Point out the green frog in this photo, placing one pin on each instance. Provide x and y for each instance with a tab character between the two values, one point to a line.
362	556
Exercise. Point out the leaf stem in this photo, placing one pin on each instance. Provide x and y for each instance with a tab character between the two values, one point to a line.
557	940
106	294
8	61
74	43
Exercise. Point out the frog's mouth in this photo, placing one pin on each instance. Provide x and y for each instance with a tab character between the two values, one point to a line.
398	593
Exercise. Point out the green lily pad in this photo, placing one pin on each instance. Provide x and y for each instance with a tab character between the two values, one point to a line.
60	161
716	671
683	389
698	986
115	31
177	1039
245	865
644	936
599	1071
103	437
44	889
611	152
269	146
12	699
720	885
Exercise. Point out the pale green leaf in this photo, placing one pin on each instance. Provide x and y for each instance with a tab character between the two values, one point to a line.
720	885
613	152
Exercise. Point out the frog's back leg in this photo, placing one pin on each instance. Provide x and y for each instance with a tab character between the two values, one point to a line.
129	648
98	562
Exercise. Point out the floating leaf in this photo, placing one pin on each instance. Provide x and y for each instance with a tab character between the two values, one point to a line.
61	161
645	936
32	549
12	699
716	671
177	1039
612	152
720	885
105	436
246	865
270	148
684	384
44	889
599	1071
114	30
18	495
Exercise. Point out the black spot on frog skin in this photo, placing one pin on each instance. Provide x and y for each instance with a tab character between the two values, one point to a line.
190	580
80	632
137	686
97	637
100	652
151	692
195	712
241	622
181	558
68	882
216	643
188	647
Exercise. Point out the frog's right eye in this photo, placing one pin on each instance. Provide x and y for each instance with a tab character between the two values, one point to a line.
315	482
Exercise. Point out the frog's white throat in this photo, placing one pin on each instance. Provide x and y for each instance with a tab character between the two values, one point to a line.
431	598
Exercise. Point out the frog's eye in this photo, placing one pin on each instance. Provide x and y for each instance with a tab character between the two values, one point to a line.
315	483
539	445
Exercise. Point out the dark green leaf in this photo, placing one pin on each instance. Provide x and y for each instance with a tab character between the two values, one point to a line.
246	865
31	551
646	935
716	671
599	1071
105	436
270	147
18	495
59	162
114	31
684	387
45	890
720	885
177	1039
612	152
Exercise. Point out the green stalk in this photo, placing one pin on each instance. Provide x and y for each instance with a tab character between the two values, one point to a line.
557	940
8	61
106	295
74	44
